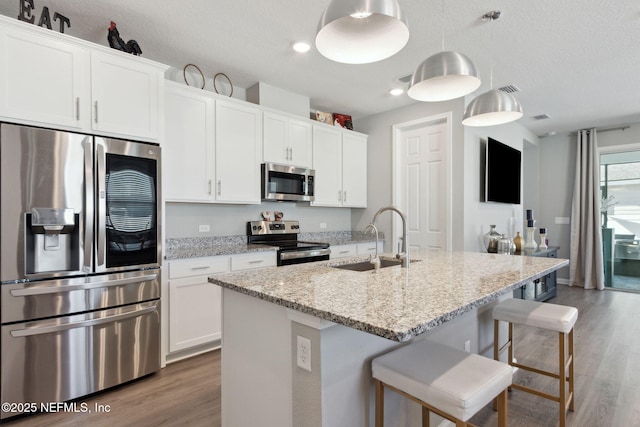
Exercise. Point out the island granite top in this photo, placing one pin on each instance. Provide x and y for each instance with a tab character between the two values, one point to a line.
395	303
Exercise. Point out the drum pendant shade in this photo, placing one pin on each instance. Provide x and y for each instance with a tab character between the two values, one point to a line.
361	31
444	76
494	107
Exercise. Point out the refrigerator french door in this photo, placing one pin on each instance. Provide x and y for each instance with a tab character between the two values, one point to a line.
80	264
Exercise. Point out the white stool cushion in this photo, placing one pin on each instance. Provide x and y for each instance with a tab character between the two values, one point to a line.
454	381
559	318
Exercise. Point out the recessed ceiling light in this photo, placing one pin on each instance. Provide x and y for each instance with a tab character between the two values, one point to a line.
301	47
396	91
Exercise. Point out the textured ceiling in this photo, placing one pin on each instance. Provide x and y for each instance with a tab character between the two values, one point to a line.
576	61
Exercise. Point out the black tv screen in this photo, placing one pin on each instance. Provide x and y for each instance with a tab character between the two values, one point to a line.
502	173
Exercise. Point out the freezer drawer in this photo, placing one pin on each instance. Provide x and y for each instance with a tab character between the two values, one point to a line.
49	298
64	358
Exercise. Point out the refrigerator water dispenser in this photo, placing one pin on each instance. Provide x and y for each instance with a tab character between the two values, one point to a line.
51	239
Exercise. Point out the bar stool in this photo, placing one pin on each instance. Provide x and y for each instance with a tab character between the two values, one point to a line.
552	317
451	383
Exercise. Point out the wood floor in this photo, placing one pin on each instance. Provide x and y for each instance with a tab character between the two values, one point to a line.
184	393
607	369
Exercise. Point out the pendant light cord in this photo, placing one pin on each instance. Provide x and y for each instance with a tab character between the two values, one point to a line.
442	24
492	53
491	16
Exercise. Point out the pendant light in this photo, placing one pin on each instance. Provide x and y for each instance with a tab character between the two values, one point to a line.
362	31
494	107
443	76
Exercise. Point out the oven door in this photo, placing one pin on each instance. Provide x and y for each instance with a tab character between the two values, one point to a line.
299	256
127	205
287	183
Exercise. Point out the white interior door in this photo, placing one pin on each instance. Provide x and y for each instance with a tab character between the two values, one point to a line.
422	175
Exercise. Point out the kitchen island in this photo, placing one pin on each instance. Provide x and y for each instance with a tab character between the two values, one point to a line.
350	317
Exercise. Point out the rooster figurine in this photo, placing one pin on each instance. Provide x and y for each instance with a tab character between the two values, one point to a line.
116	42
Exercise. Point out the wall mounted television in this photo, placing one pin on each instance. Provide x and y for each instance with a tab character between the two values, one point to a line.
502	173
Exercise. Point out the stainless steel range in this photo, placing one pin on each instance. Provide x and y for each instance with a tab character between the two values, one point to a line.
284	235
80	266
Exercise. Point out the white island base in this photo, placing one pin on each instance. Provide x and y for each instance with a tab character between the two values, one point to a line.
263	386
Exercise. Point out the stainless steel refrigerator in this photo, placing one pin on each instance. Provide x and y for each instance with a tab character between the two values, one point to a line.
80	263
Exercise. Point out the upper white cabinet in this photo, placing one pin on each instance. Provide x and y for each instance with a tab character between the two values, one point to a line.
340	162
54	80
211	149
354	170
43	80
238	152
125	96
188	148
287	140
327	161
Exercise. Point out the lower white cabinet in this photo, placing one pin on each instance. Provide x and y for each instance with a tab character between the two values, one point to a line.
367	248
195	316
353	249
253	260
195	305
342	251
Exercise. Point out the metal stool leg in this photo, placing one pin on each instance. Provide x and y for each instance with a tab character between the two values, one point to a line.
379	404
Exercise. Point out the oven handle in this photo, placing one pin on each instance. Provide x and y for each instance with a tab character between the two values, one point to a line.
39	330
304	254
54	289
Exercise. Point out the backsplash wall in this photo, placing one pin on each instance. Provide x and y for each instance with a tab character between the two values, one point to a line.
183	219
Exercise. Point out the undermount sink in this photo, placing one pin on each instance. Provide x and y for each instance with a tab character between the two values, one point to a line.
368	266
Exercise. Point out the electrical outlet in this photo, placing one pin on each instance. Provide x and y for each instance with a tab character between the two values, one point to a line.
467	346
304	353
323	225
203	228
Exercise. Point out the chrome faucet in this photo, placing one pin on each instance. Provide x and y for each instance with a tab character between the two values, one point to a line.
402	253
375	260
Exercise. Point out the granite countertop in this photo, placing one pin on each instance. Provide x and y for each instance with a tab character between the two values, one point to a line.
394	303
194	247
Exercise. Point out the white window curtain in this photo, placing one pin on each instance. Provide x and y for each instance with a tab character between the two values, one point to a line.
587	267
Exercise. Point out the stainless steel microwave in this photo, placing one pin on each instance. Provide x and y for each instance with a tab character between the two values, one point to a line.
282	183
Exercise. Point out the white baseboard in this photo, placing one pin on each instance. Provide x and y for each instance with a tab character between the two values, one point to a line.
561	281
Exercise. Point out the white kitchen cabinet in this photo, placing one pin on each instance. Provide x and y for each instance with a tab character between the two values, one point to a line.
189	147
43	80
354	170
195	304
252	260
342	251
286	140
369	248
238	152
54	80
195	316
125	95
327	163
340	162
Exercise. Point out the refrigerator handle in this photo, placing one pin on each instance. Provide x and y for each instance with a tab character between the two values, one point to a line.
87	241
35	330
101	203
55	289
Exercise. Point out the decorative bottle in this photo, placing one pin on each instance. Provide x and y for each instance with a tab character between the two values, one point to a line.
491	240
518	241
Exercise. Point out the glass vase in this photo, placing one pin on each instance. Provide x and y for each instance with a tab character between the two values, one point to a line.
491	240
